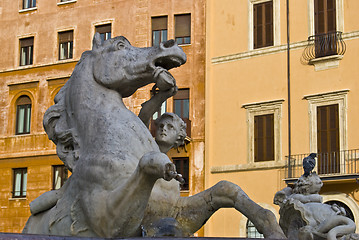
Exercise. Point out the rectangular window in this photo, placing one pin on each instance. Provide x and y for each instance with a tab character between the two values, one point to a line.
264	138
183	29
182	167
324	16
104	31
26	51
181	107
60	174
159	30
19	182
65	45
28	4
263	24
328	139
23	119
325	28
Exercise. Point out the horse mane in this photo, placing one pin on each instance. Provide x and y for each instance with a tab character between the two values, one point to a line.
56	125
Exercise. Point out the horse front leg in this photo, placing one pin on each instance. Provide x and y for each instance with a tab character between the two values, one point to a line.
124	208
193	212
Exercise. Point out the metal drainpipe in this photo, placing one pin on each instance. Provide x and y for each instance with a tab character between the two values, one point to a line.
289	102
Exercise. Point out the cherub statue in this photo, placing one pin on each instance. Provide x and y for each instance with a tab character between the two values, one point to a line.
303	215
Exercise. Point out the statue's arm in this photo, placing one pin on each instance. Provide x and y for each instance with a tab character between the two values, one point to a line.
152	105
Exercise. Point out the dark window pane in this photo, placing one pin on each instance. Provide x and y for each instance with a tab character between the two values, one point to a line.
182	167
104	31
28	4
60	174
183	29
26	51
19	182
65	45
159	30
23	115
181	107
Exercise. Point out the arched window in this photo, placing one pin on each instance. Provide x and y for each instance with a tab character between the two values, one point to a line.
348	212
252	231
23	115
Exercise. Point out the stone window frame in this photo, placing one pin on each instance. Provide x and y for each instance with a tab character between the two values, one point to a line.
16	90
324	99
263	108
276	23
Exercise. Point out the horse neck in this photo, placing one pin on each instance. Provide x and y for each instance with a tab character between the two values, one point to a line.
88	103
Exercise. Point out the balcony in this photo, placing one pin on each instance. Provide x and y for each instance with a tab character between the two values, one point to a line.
325	47
331	166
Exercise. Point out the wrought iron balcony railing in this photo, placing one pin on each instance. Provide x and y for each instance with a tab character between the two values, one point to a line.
323	45
338	163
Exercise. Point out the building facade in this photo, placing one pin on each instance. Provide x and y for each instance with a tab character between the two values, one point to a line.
43	41
265	101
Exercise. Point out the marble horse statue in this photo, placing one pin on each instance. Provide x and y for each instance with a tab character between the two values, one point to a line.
122	185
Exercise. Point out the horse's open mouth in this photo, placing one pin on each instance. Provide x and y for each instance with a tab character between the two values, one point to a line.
169	62
162	76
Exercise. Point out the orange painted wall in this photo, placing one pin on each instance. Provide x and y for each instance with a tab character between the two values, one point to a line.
43	79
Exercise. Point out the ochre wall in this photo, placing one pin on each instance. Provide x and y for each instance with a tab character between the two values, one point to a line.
43	79
237	76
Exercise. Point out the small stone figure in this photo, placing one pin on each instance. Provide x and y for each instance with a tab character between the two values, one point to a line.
309	164
303	216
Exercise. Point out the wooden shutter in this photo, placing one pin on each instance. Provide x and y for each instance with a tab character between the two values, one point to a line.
328	139
27	42
183	25
263	24
65	37
103	28
264	138
159	23
324	16
182	94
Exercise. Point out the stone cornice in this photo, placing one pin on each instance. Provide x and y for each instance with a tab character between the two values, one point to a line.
24	68
272	50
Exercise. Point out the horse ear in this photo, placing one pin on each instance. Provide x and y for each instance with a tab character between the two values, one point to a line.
96	42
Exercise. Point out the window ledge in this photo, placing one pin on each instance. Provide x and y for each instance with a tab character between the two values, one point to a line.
66	2
19	198
65	60
248	167
325	63
27	9
185	45
26	66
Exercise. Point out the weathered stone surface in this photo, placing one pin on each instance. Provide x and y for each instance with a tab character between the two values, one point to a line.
303	216
123	185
